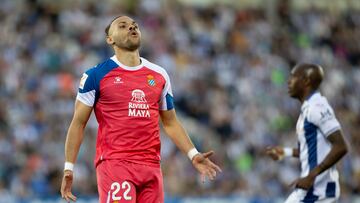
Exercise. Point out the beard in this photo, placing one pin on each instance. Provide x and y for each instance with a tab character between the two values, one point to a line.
295	93
129	44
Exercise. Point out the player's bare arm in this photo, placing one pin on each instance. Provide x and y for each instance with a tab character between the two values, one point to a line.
278	153
72	145
178	135
338	150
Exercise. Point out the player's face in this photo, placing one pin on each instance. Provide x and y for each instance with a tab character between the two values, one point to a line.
124	33
295	83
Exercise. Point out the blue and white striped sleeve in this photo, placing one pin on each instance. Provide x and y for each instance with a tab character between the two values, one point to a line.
87	88
166	100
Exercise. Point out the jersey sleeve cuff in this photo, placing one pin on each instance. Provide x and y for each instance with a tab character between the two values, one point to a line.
332	131
87	98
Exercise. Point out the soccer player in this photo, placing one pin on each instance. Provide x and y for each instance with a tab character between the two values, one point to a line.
128	94
320	140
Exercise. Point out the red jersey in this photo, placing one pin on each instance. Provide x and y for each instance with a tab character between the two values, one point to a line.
126	102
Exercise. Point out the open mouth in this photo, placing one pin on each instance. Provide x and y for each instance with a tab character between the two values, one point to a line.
134	34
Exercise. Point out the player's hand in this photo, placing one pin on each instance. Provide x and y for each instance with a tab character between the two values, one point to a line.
205	167
66	186
276	153
304	183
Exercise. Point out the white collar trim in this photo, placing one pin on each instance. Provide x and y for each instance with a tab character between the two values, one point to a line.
310	98
130	68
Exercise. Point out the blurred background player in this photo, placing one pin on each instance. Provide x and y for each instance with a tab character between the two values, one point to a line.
128	94
320	140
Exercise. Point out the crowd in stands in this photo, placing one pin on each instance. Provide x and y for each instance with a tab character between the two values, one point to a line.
228	68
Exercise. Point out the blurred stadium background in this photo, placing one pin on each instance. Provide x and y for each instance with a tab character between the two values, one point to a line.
228	61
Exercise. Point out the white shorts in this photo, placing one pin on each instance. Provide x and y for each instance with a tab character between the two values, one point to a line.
299	194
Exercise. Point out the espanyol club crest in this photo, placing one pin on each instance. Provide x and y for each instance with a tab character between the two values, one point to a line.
151	80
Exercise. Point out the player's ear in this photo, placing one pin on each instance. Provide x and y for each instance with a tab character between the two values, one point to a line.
109	40
307	82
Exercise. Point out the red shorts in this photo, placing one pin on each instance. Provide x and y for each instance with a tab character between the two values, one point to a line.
126	182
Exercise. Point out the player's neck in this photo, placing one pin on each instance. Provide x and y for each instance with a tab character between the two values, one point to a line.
128	58
307	94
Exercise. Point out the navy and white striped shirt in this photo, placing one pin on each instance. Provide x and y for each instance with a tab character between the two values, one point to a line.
317	121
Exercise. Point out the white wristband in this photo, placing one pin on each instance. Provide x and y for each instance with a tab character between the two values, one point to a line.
192	152
69	166
288	152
